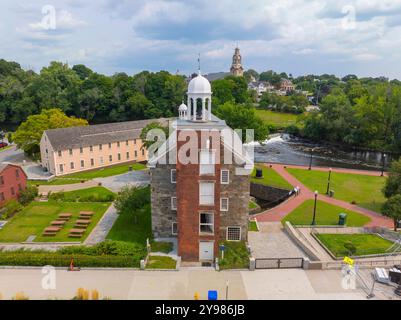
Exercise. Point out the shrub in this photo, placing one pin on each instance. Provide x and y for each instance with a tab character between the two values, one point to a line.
20	296
95	295
28	195
130	199
58	196
350	248
11	208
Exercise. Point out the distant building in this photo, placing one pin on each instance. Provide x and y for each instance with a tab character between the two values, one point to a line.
206	201
287	85
12	182
260	87
236	67
75	149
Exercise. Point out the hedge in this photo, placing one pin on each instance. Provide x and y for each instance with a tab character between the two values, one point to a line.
63	260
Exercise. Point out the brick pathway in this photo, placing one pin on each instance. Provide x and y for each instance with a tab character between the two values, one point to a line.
279	212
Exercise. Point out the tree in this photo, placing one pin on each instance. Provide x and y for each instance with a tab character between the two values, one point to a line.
152	126
131	200
28	195
28	135
392	209
393	182
243	117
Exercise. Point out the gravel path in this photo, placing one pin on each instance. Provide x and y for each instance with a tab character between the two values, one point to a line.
103	227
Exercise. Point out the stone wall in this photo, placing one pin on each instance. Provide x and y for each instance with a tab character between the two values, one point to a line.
161	192
267	193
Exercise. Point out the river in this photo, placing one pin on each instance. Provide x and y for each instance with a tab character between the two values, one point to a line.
288	150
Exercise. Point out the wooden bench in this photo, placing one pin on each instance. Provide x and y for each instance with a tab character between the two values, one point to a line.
83	222
50	231
58	223
64	216
86	214
76	233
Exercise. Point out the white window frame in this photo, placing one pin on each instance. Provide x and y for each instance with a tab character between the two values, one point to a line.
172	228
228	233
203	198
228	176
173	207
203	224
207	169
171	175
221	204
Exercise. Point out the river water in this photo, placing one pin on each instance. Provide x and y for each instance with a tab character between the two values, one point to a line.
287	150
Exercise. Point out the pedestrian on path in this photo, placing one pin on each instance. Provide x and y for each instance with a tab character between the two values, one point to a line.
298	191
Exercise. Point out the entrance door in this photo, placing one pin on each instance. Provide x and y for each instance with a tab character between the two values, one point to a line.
206	249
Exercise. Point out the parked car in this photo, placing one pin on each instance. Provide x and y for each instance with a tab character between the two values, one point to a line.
3	145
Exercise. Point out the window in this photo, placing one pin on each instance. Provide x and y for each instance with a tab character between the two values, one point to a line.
72	165
2	196
59	153
173	203
206	162
82	163
134	141
233	233
81	150
143	152
119	157
223	204
47	151
70	152
91	148
126	143
101	160
17	173
173	175
174	228
206	222
100	147
19	187
92	162
1	180
12	191
118	144
110	158
109	145
127	155
206	193
61	168
136	154
225	176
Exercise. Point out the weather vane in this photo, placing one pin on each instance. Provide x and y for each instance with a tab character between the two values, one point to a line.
199	65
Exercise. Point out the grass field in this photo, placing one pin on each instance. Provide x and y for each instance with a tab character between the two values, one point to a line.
106	172
326	214
33	219
270	178
278	119
54	182
126	229
161	262
252	205
365	244
236	256
252	226
364	190
95	194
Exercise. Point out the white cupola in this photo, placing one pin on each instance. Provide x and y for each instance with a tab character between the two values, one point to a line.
200	90
182	111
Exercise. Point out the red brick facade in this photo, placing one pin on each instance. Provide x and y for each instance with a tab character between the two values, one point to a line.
12	181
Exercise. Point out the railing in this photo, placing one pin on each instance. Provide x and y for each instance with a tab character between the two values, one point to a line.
279	263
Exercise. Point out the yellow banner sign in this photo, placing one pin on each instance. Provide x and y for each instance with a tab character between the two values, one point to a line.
348	261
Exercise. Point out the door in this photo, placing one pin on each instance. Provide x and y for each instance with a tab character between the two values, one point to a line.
206	249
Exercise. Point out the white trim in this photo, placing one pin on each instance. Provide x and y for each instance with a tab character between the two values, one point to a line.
233	227
200	224
221	202
228	176
172	228
172	203
171	175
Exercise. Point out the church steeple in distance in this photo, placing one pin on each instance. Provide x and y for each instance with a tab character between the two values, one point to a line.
236	67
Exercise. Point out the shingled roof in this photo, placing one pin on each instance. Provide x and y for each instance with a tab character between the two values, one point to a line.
85	136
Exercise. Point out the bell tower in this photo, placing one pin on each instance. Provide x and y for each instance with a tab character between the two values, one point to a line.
236	67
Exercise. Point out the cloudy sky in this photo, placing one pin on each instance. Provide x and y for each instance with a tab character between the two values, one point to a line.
295	36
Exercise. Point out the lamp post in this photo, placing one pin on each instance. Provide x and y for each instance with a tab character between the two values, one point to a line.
314	210
328	182
311	158
383	163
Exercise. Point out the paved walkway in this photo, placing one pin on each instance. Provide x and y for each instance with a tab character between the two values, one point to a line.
137	178
272	242
67	187
103	227
279	212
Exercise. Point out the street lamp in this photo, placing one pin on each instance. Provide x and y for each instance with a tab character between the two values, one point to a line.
318	91
314	210
328	182
383	163
311	158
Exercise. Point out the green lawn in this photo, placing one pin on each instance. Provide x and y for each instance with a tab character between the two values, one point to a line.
95	194
270	178
33	219
106	172
365	244
365	190
252	205
54	182
6	148
236	255
161	262
278	119
326	214
126	229
162	246
252	226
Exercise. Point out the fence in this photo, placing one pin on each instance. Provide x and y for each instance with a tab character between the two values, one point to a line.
279	263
